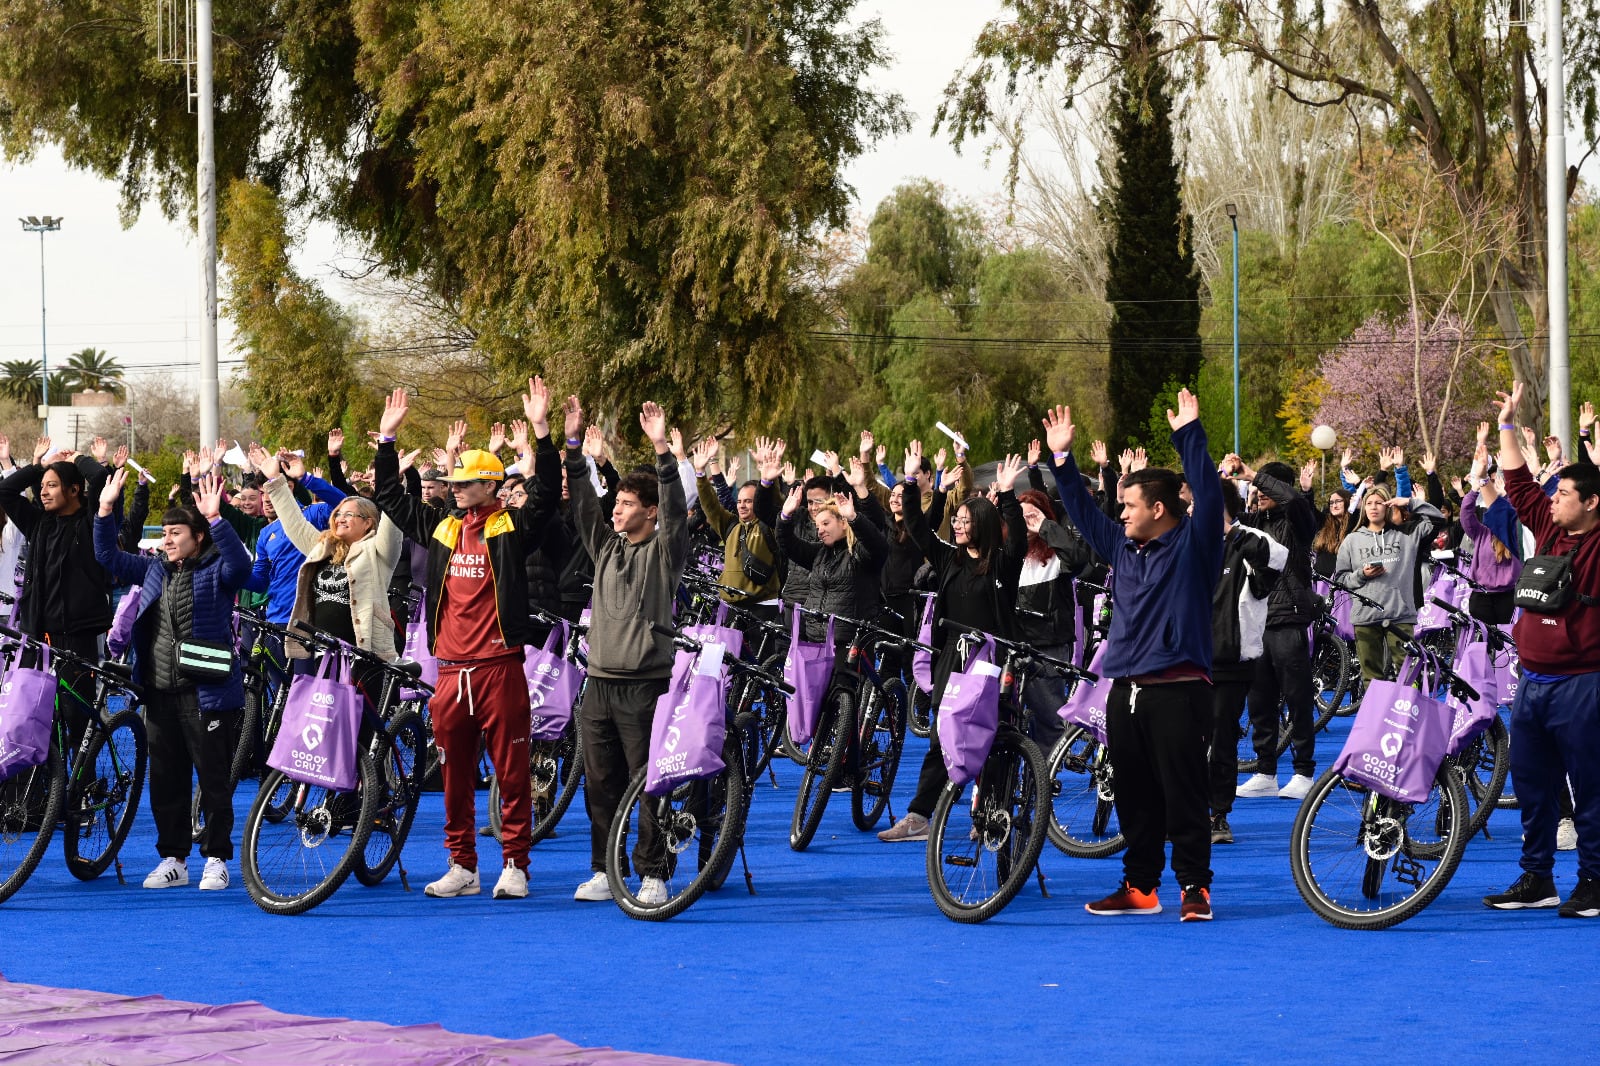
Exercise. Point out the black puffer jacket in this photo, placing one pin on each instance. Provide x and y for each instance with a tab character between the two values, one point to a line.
842	580
64	588
1051	594
1292	523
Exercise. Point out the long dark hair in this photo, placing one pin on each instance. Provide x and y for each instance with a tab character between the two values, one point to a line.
984	530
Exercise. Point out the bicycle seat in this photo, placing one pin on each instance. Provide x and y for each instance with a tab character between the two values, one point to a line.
121	671
408	668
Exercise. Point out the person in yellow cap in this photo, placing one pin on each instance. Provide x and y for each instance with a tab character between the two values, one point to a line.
477	625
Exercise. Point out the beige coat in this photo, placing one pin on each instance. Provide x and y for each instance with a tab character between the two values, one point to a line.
370	563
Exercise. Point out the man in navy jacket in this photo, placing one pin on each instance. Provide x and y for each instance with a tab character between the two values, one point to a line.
1164	570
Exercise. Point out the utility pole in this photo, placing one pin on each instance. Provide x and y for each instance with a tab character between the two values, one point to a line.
206	199
42	225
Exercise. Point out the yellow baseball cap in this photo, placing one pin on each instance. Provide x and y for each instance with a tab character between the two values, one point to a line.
475	464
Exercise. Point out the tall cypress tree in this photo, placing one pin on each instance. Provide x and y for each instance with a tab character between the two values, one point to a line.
1151	284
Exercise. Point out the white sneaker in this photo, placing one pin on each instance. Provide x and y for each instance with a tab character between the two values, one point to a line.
911	828
1566	835
513	883
1258	785
652	892
215	875
1297	788
594	890
457	881
172	873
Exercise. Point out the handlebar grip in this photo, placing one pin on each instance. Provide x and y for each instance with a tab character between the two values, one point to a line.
12	633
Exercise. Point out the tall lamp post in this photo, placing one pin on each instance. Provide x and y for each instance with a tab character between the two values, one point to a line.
1233	218
41	226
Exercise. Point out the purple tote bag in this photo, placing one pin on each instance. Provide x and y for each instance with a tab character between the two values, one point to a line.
316	743
1087	704
690	721
416	651
969	715
553	685
807	670
1473	664
27	708
121	634
922	661
1399	738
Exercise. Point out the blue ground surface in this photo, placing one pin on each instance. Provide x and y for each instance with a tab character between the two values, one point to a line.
843	955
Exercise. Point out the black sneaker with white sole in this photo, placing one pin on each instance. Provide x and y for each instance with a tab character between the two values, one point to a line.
1584	902
1527	892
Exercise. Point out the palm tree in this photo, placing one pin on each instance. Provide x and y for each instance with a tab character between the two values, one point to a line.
91	369
21	380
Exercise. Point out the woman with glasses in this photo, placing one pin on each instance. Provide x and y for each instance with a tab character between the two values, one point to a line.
343	586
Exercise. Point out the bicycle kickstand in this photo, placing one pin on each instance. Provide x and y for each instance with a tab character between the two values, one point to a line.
749	881
400	865
1038	871
120	879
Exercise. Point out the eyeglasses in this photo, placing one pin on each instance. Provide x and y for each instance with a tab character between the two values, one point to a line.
351	514
958	520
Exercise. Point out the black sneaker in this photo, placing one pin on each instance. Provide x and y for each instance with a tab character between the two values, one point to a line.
1584	901
1220	832
1526	892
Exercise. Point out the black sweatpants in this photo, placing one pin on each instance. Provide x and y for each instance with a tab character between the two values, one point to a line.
1156	736
615	720
184	745
1283	674
1228	695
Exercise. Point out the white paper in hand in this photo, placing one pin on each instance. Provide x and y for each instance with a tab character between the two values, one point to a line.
961	441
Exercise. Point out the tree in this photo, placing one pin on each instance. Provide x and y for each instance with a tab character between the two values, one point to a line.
90	369
22	381
1151	281
163	410
1459	80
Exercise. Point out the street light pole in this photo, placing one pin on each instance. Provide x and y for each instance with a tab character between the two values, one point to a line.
42	225
1233	218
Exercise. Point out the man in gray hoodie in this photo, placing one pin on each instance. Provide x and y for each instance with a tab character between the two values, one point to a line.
639	558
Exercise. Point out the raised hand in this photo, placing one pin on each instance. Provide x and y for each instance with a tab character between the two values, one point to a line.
1188	410
1125	462
594	445
441	459
769	465
112	492
1098	453
1428	464
788	472
1553	450
1398	454
847	505
702	455
1034	449
939	459
948	479
536	407
98	448
41	448
572	417
1141	460
1585	415
1307	473
856	476
119	458
1385	458
457	436
867	442
406	459
5	448
395	406
293	465
675	444
833	463
1058	429
653	420
189	460
519	436
208	496
1530	440
791	503
881	453
913	463
497	438
335	442
1005	472
1483	432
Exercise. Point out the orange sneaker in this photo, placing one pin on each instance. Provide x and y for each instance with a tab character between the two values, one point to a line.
1126	900
1196	905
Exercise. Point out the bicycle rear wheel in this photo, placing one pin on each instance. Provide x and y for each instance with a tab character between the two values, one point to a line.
824	766
883	738
1364	861
30	804
761	716
297	862
399	785
1485	764
980	852
1508	795
103	796
1331	667
921	723
700	824
1083	818
555	769
1247	751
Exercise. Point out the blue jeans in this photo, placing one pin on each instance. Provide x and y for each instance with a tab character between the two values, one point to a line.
1555	730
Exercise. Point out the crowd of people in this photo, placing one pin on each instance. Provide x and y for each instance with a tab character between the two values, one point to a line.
1211	570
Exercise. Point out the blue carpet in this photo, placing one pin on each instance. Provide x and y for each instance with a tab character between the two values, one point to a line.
843	954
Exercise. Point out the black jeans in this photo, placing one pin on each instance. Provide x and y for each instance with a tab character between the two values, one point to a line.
1283	675
1228	697
615	719
1156	736
184	745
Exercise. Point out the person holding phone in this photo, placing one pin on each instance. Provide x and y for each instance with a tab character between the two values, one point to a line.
1379	560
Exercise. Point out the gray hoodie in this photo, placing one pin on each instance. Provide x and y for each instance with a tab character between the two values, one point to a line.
634	584
1397	548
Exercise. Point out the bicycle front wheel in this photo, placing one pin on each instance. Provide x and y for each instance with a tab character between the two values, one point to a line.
399	783
295	863
1083	815
824	766
761	716
1331	669
555	769
883	738
30	804
699	826
1484	765
103	796
980	852
922	716
1364	861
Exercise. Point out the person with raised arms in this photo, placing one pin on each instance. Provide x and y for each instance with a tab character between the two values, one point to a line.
1164	571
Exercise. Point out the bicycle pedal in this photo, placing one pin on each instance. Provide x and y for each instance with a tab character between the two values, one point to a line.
960	860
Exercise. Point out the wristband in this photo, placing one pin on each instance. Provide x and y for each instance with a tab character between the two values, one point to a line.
765	483
1059	456
1508	427
384	438
701	474
574	442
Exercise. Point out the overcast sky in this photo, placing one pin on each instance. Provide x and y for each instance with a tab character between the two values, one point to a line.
135	293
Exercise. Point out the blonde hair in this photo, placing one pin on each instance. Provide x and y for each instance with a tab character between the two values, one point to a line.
338	549
831	506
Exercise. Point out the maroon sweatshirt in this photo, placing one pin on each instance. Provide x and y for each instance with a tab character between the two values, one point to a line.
1567	642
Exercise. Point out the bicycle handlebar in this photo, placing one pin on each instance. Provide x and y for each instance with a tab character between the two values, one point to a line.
1497	639
887	636
733	662
120	680
1024	651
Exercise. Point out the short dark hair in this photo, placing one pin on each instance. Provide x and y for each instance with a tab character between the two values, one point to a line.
749	485
1584	477
1280	471
68	474
1158	485
647	487
822	483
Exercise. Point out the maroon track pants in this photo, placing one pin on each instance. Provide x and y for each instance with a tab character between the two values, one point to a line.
486	698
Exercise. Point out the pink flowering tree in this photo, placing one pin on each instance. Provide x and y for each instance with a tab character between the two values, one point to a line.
1420	382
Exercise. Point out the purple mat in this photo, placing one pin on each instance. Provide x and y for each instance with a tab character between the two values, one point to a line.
38	1024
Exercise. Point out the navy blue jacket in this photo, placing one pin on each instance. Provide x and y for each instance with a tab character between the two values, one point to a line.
1161	591
217	578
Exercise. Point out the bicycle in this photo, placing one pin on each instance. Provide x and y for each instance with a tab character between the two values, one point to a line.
1083	813
1362	860
555	767
761	713
91	786
707	815
981	852
302	841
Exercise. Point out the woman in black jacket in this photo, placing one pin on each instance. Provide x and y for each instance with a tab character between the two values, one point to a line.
846	560
1046	606
977	587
